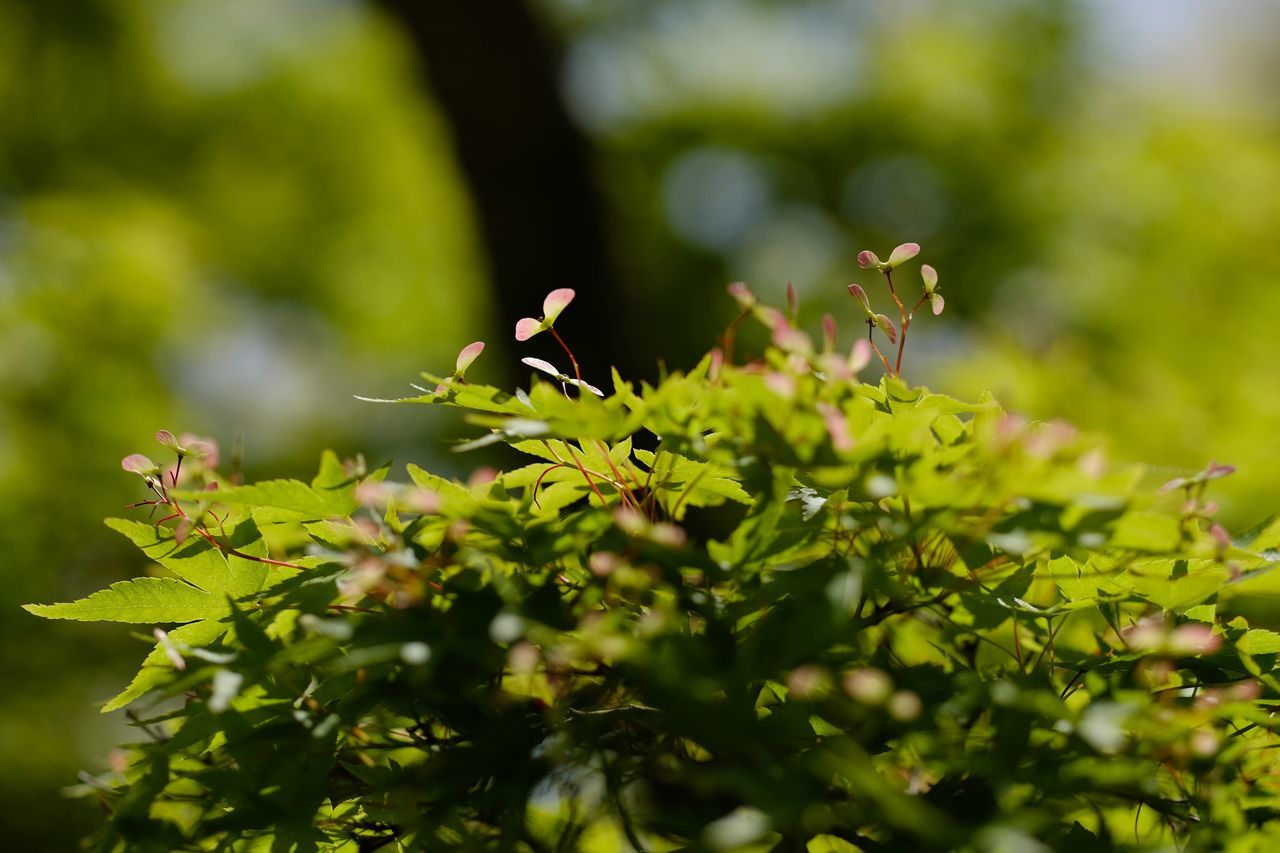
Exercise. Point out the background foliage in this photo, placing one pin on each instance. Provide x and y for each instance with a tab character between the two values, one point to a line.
213	216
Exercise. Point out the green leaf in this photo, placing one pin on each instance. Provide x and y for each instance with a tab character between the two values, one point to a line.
140	600
1256	597
948	428
1146	531
463	395
761	535
199	562
1259	641
157	668
458	500
331	494
1079	582
331	476
1268	539
1177	584
680	482
295	498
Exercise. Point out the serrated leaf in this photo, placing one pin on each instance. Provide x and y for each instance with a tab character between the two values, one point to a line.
197	561
457	499
557	496
156	667
1079	582
1268	539
1259	641
138	601
464	395
1176	584
296	498
810	501
331	476
680	482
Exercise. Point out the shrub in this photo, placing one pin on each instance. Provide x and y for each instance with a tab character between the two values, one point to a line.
757	605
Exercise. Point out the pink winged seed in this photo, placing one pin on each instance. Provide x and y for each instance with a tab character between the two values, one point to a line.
903	253
930	276
886	325
545	366
136	463
468	354
527	328
861	295
556	301
742	294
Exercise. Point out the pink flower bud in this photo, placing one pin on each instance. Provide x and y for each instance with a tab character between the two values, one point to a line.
716	365
828	333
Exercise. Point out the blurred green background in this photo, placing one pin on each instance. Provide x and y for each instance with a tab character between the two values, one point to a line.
230	217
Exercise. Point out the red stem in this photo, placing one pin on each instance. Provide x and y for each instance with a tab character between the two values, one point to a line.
586	476
906	322
215	542
538	482
876	349
623	488
728	337
577	373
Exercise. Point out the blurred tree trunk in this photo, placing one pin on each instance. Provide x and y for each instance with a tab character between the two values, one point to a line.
541	214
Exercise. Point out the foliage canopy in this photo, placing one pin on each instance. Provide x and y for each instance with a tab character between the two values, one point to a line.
758	605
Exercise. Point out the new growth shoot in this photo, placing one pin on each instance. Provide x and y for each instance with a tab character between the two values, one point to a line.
929	293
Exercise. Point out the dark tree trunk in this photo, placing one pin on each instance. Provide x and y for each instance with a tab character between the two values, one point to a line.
542	217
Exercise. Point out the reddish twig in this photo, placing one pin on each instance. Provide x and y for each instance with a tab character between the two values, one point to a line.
576	372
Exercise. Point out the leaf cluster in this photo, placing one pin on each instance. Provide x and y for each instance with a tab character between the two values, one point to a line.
751	606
